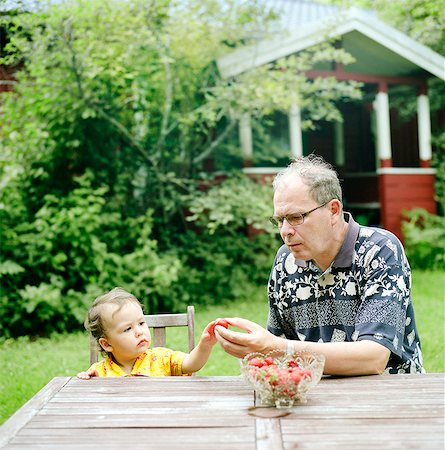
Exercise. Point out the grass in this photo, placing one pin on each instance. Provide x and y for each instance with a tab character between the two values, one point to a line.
28	365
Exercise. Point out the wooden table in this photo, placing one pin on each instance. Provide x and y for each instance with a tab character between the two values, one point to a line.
388	411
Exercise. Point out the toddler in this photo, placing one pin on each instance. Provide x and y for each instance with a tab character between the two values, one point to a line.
117	321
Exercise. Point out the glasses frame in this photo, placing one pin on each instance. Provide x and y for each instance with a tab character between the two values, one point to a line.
279	221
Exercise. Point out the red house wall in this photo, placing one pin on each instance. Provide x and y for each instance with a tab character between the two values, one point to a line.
404	191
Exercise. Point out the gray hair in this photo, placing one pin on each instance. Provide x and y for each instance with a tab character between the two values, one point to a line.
316	173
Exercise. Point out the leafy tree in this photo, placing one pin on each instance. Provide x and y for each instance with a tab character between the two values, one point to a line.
117	108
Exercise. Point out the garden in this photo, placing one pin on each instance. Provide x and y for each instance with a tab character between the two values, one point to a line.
120	166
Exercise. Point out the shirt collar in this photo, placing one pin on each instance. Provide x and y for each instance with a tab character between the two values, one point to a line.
345	255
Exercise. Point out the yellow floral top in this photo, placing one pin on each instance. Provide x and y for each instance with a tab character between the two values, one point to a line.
155	362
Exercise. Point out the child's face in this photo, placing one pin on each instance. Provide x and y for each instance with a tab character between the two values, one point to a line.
127	333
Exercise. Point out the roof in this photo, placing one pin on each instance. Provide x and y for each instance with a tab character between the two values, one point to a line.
379	48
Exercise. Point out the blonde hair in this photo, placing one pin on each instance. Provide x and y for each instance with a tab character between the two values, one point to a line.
94	322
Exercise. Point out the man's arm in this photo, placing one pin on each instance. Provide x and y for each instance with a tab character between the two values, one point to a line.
342	358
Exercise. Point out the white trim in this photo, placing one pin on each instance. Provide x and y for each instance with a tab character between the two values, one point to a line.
380	171
406	171
245	136
265	51
381	106
295	134
424	127
262	170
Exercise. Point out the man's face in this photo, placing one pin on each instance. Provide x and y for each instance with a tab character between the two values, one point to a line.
311	239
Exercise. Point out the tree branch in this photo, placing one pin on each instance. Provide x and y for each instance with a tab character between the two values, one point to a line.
124	132
204	154
167	104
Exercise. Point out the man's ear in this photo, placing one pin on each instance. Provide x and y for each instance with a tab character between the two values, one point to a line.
105	344
336	209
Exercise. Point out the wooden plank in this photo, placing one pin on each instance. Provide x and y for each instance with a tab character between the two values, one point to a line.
119	445
328	411
132	438
365	443
150	419
390	411
268	434
356	426
30	409
166	320
77	408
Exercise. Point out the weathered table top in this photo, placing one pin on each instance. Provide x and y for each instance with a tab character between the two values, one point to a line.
387	411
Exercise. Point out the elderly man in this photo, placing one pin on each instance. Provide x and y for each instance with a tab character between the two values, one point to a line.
336	288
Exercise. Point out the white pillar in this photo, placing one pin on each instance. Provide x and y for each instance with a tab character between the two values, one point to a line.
296	139
424	127
245	136
381	105
339	144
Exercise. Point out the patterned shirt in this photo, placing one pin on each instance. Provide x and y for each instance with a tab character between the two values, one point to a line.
365	294
156	362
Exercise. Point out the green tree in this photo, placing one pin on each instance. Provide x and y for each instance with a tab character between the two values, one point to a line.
117	107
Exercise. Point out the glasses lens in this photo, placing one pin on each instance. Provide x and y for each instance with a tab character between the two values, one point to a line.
294	220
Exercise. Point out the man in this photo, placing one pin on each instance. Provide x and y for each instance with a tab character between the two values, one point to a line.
336	287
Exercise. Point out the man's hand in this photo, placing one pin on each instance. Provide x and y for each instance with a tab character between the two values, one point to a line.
256	338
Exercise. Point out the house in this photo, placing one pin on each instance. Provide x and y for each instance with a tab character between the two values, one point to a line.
384	163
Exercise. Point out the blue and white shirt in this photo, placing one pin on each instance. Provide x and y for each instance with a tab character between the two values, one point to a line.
364	294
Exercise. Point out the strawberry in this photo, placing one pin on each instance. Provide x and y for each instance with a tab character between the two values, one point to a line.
222	322
256	362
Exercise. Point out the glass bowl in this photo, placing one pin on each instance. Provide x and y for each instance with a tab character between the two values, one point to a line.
282	379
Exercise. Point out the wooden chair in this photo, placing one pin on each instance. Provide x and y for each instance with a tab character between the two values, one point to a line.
158	323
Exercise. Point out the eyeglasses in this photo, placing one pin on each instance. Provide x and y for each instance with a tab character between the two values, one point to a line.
293	219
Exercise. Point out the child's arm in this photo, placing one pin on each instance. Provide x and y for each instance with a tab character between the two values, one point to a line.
196	359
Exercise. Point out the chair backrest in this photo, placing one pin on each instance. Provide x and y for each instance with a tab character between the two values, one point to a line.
159	322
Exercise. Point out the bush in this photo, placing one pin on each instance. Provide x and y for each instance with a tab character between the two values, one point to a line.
424	236
222	267
73	250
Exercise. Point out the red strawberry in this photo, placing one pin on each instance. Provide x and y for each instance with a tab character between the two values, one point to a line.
222	322
296	376
256	362
269	361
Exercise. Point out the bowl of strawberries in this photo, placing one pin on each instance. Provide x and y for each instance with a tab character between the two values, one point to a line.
282	379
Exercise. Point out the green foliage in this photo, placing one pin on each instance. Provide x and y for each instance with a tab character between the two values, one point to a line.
424	235
222	266
221	258
117	107
74	250
228	205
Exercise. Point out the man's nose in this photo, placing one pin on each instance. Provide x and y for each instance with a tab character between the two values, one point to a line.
286	229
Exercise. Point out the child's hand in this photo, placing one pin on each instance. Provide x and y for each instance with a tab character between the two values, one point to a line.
209	331
87	375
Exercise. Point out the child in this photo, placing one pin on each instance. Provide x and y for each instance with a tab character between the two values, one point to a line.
117	321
